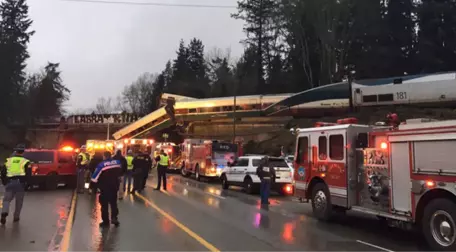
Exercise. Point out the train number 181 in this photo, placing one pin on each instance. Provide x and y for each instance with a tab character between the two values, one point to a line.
401	95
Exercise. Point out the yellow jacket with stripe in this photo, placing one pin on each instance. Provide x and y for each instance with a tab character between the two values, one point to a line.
15	167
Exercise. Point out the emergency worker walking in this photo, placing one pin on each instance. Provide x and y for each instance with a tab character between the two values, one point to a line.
128	176
266	173
162	166
82	164
123	163
107	176
141	166
14	177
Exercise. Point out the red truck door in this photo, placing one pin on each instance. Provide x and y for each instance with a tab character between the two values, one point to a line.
66	163
302	165
43	159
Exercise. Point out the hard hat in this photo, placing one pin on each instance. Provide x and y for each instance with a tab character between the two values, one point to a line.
20	147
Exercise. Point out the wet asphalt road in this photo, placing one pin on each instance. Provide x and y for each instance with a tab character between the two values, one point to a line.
193	216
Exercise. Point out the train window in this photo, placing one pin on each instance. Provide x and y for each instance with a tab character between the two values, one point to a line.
397	81
336	147
385	97
217	109
322	148
369	98
303	150
192	110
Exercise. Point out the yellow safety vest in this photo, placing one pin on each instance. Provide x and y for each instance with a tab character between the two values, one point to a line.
85	160
15	166
129	162
163	160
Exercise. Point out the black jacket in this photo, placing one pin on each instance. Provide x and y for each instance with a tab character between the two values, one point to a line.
265	171
142	164
107	175
123	162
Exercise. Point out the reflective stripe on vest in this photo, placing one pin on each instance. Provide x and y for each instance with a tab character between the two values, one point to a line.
163	160
129	162
15	166
85	160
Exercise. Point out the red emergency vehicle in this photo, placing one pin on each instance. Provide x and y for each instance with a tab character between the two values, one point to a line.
405	175
51	167
173	152
136	145
206	158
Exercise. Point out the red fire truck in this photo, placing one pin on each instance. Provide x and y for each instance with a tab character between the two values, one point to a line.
206	158
405	175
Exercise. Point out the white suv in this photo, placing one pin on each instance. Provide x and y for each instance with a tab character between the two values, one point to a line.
243	173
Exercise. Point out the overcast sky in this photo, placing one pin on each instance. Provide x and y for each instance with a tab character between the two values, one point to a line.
103	47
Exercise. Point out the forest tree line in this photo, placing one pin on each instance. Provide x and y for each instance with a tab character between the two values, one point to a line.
25	96
294	45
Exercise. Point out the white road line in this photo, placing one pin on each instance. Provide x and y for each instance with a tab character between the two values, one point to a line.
215	195
374	246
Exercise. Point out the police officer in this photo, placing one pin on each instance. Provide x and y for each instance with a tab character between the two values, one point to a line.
82	164
123	163
266	173
93	163
163	163
107	175
141	166
14	176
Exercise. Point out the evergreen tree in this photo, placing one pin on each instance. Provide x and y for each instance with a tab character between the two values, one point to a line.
223	78
258	16
197	77
51	93
436	36
180	71
401	37
14	37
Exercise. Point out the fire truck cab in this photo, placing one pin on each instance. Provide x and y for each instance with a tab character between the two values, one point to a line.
406	175
206	158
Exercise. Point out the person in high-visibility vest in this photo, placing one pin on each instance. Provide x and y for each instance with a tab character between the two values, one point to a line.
163	164
14	177
82	164
128	177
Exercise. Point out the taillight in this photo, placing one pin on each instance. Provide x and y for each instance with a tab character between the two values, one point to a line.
288	189
34	169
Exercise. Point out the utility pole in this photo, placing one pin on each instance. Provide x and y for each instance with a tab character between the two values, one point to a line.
234	111
260	50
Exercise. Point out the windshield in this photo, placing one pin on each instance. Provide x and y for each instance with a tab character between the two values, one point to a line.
222	158
40	157
278	162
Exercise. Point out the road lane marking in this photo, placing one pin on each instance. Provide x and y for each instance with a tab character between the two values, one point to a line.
374	246
215	195
65	244
195	236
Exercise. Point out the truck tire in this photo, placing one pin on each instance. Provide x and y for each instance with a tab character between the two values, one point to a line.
225	184
439	225
248	185
321	202
51	181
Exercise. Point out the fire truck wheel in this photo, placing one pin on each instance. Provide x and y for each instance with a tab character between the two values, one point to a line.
439	225
224	181
321	202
